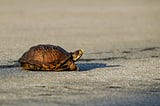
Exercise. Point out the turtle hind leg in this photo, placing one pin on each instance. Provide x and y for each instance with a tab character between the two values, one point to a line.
26	66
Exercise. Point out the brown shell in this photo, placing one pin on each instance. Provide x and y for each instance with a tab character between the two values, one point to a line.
44	56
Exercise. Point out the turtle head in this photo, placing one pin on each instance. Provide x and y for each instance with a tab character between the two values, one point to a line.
77	54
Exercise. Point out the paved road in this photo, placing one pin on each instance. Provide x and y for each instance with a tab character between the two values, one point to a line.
120	66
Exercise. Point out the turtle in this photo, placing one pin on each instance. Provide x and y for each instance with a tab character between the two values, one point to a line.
46	57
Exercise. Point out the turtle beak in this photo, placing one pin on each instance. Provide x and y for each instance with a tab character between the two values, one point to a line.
82	51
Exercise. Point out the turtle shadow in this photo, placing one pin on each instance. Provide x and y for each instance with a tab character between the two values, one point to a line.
90	66
82	66
9	66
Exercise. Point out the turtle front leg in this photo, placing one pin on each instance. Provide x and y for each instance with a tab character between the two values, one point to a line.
66	67
74	67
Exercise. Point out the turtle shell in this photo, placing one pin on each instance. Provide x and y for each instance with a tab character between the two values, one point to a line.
44	57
